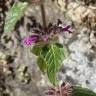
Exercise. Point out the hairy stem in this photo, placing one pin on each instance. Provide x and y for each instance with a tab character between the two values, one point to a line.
43	13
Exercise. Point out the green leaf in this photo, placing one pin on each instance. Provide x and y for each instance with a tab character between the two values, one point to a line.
79	91
41	63
53	55
14	15
35	50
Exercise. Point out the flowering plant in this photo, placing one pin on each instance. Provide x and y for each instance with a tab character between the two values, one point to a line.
45	34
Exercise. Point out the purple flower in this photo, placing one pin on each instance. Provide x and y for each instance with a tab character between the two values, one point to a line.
30	40
45	38
44	34
63	90
66	29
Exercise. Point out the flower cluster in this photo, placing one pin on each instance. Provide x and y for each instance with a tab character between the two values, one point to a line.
63	90
44	34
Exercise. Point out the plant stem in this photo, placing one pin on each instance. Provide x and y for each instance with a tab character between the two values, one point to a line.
43	13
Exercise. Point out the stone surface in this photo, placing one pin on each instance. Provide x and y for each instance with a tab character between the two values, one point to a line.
80	67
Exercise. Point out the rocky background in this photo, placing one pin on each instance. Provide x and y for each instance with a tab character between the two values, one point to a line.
19	74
